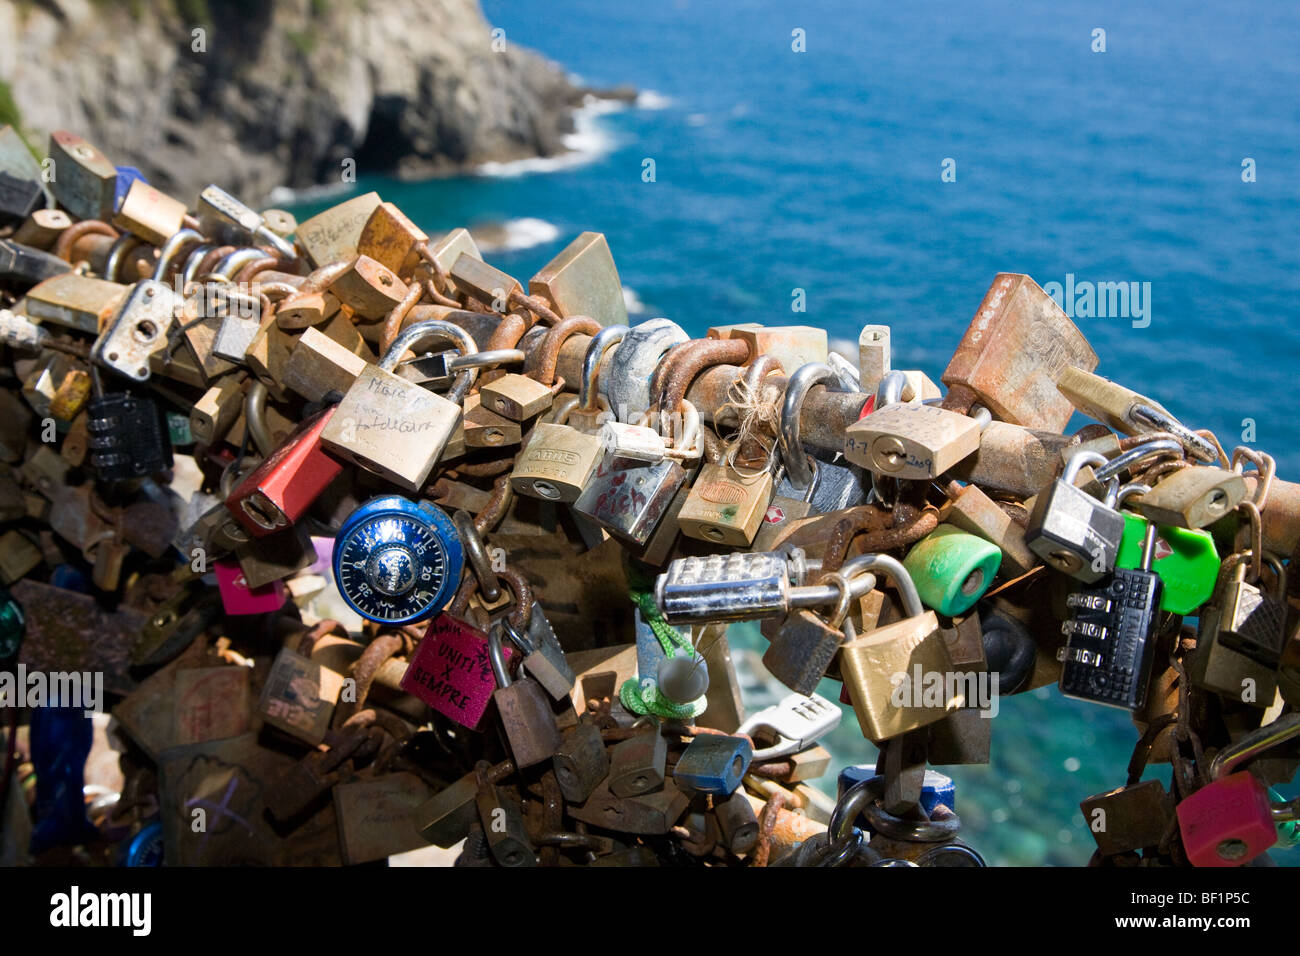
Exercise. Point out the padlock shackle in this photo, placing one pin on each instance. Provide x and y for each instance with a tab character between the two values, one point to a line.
192	262
171	248
1128	491
1253	744
1161	420
120	247
230	264
893	569
476	553
600	343
890	390
489	359
690	444
1074	464
797	386
255	417
435	328
497	657
846	373
1140	453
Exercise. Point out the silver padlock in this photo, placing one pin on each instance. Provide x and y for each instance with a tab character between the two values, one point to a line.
625	383
796	721
834	485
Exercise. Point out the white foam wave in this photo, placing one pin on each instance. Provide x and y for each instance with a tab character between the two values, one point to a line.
588	142
652	100
285	196
633	301
515	234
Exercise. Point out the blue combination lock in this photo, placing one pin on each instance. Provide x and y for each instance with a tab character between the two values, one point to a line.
396	561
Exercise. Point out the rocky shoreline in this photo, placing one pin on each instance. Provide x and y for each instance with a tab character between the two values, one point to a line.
294	93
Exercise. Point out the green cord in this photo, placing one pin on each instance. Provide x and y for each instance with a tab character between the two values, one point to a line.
670	639
647	700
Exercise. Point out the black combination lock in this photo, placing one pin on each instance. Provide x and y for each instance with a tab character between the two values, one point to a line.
127	437
1110	636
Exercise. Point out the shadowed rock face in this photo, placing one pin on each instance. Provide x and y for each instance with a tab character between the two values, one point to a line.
284	92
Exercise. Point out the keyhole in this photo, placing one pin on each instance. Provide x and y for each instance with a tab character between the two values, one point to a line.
713	534
1217	502
974	581
1233	849
640	782
546	489
890	453
737	765
493	436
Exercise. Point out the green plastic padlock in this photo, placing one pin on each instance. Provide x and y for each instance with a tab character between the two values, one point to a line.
952	569
1185	559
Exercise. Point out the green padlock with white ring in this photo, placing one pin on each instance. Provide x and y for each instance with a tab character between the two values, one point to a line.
1185	558
952	569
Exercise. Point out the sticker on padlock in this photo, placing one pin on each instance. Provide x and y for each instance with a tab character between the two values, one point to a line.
451	671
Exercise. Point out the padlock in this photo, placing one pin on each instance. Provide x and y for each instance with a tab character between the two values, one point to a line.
299	696
1111	634
127	439
278	492
139	330
637	765
1184	558
446	817
543	657
1129	818
22	266
485	429
484	283
397	562
239	598
149	213
217	410
1128	412
524	709
319	365
43	228
952	569
1250	621
1230	820
75	301
972	511
450	670
1073	531
791	345
1013	352
369	288
796	723
276	556
737	822
899	677
713	763
725	587
223	217
1193	497
629	498
390	239
380	410
581	763
374	816
625	379
19	198
556	463
582	280
834	485
333	235
503	825
726	506
911	441
804	645
84	181
516	397
653	813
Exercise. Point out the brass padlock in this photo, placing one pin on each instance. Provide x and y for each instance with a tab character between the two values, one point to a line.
974	512
393	427
319	365
1129	818
390	239
725	506
911	441
1192	497
332	235
582	280
899	677
150	213
516	397
556	463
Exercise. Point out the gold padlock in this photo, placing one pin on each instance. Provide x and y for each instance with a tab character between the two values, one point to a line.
582	280
390	239
557	462
394	427
898	676
724	506
333	235
516	396
150	213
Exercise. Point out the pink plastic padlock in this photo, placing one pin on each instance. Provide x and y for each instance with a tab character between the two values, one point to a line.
1227	822
238	598
451	671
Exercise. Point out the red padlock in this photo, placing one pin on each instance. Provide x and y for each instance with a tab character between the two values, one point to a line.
1230	820
280	490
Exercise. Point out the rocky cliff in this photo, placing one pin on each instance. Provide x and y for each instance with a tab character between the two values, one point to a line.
255	95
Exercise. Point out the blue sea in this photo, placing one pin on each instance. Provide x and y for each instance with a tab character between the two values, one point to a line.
1163	150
